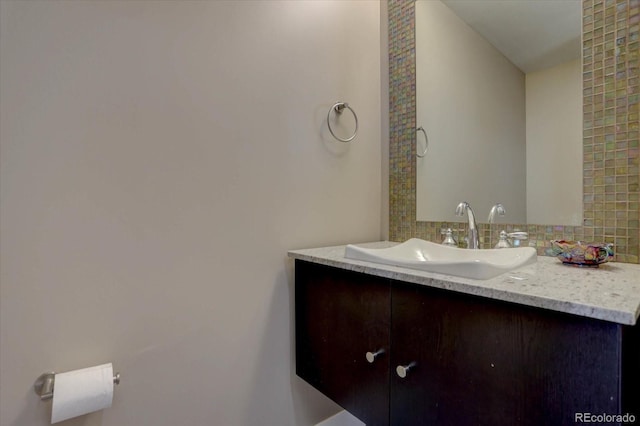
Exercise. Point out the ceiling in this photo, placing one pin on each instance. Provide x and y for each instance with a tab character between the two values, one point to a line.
533	34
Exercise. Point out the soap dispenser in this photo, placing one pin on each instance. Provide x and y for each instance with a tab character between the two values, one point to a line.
448	238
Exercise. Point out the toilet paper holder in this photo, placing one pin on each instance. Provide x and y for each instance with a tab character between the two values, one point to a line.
45	383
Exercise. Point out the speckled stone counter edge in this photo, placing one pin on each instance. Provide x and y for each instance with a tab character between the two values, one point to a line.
609	293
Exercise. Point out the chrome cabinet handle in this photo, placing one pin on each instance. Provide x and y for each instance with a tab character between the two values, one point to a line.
402	370
371	356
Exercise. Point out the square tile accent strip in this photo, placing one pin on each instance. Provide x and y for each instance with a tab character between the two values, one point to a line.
611	160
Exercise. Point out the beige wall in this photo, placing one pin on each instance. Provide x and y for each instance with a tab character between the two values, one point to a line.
158	160
554	144
471	101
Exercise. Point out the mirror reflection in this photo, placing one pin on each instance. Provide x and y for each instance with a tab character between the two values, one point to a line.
499	96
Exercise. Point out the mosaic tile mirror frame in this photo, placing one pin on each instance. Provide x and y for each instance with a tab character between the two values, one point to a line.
611	172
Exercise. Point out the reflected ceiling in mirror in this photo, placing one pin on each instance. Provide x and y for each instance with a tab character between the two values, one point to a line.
533	34
504	120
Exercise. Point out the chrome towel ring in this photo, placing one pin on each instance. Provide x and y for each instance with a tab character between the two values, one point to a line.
338	107
426	144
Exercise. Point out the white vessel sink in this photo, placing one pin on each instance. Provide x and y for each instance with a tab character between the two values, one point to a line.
431	257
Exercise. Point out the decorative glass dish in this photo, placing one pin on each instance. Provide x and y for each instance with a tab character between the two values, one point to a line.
577	253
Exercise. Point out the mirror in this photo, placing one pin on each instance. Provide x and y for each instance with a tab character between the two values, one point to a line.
499	95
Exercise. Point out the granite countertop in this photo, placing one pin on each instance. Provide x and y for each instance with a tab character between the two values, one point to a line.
610	292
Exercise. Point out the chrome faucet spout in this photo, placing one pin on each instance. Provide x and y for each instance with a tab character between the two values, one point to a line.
499	210
472	239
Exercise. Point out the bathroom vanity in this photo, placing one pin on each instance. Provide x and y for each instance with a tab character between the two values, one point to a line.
537	346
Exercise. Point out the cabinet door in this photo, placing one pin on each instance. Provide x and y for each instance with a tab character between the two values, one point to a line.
340	316
484	362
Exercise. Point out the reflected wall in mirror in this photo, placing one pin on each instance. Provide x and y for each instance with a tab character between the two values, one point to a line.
499	93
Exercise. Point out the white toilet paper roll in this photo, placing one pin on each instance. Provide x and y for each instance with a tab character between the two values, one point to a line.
83	391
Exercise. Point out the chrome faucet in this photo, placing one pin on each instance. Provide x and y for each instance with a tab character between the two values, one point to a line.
499	210
472	239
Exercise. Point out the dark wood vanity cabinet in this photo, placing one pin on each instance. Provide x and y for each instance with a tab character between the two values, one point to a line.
484	362
470	360
339	318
